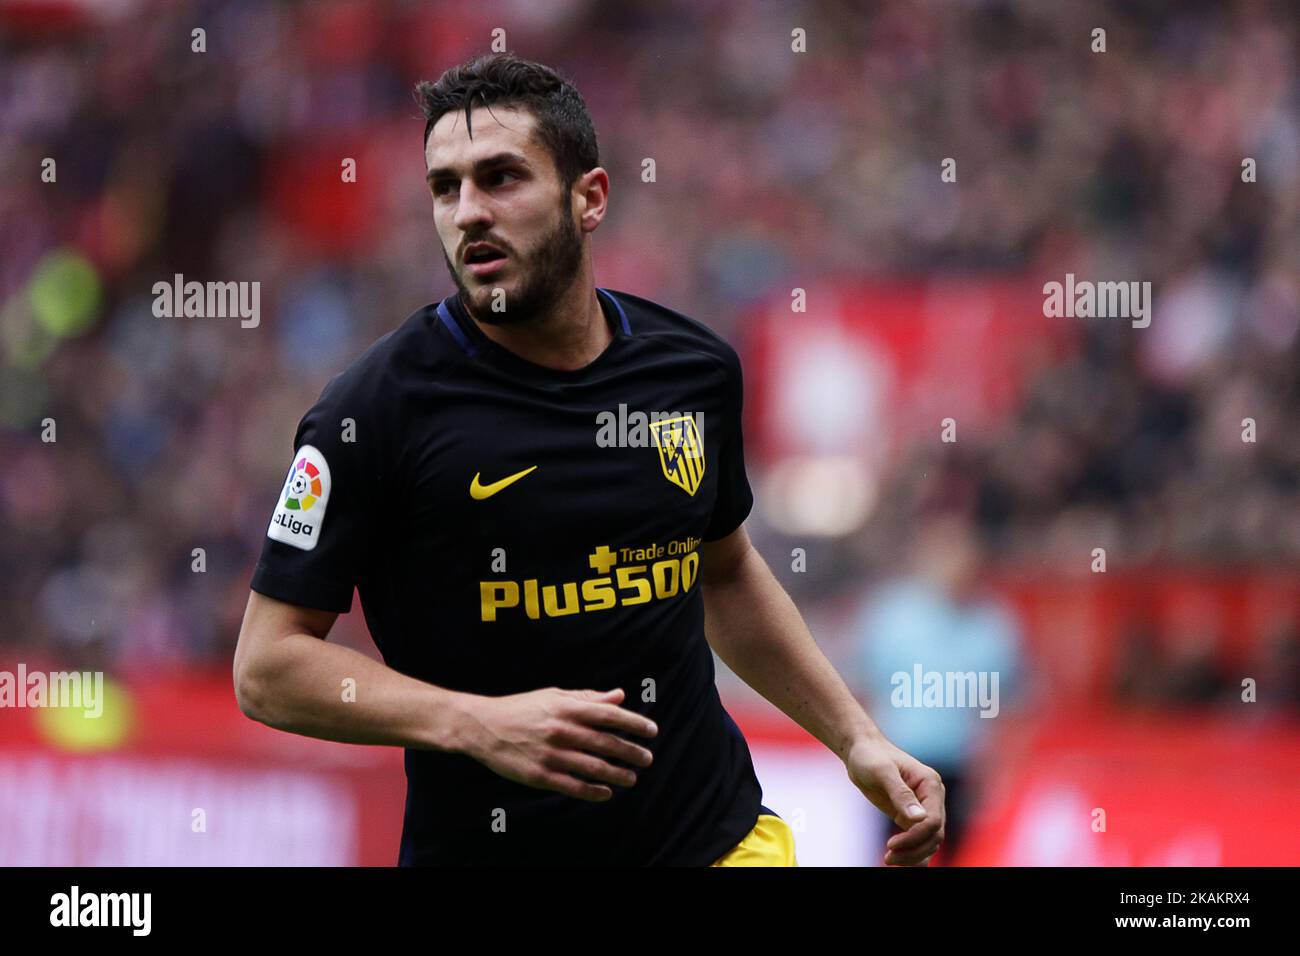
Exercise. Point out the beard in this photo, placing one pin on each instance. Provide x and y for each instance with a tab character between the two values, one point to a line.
543	275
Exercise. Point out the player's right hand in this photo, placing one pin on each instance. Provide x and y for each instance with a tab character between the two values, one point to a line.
554	739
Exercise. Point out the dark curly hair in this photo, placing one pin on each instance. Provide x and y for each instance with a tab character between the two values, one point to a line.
503	79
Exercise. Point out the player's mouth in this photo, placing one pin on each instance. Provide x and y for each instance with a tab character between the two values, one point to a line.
482	259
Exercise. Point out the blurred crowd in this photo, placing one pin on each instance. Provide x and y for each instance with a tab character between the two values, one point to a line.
773	169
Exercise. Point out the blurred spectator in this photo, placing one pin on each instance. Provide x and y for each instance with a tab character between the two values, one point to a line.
1140	675
937	619
1185	669
1194	675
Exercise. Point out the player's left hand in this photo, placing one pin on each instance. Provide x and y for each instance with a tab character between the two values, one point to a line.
905	790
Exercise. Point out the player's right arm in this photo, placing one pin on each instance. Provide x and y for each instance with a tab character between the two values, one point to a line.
289	677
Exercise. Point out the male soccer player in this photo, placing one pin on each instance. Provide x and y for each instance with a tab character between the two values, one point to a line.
544	587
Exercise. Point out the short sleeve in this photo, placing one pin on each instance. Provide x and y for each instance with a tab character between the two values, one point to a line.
734	499
320	534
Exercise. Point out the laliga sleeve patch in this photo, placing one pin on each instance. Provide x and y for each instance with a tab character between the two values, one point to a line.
298	516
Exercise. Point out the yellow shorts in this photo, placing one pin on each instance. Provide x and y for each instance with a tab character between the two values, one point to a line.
770	843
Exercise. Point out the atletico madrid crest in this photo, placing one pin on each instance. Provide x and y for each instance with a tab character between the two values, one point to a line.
681	451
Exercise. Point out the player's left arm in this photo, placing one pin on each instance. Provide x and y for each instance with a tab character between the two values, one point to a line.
753	625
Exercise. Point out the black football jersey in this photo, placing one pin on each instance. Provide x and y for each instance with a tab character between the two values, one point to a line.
510	527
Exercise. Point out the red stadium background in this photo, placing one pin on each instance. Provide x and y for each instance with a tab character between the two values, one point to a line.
1089	478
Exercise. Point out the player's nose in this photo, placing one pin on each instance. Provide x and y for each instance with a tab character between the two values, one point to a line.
471	209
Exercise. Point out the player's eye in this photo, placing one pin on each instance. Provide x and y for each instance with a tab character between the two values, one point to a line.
494	178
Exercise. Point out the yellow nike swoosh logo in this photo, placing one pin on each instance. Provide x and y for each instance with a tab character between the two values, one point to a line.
479	492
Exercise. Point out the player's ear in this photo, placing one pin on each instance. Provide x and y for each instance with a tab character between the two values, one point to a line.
591	200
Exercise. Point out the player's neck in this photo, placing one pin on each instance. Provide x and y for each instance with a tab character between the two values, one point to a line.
569	336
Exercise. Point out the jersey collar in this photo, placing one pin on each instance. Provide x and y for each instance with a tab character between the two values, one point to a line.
475	344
